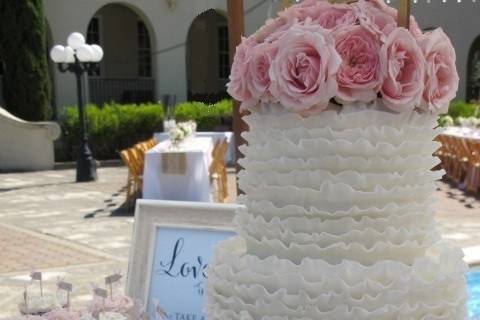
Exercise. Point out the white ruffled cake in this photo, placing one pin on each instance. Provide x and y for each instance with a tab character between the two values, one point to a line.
338	222
338	218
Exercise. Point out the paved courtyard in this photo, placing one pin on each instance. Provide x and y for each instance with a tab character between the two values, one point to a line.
80	232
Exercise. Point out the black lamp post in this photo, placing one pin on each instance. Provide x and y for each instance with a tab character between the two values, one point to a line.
80	58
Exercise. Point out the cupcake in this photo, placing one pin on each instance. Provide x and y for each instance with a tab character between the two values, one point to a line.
111	316
39	304
119	303
104	316
25	318
62	314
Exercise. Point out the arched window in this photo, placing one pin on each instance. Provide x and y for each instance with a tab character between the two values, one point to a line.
208	60
125	72
473	71
144	51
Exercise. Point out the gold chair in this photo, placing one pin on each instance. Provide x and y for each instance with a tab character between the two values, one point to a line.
218	171
473	170
134	181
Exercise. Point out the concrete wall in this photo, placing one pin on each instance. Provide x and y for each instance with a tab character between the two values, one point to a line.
32	148
169	29
459	20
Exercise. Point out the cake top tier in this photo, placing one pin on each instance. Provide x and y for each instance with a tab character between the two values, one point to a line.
316	51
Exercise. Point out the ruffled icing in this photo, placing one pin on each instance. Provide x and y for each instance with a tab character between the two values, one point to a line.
337	222
432	285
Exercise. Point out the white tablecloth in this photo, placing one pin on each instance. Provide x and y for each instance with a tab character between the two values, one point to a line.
229	157
194	185
462	132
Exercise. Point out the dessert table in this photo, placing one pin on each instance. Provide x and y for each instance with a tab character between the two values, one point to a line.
179	173
229	156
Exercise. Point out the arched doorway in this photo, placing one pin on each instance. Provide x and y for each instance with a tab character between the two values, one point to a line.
126	73
1	83
473	71
208	64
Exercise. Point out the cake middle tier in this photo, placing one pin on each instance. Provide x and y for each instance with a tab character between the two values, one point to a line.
353	184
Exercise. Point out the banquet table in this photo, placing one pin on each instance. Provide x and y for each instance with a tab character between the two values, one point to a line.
229	156
190	183
462	132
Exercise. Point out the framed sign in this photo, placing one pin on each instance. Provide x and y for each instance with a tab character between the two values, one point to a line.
172	245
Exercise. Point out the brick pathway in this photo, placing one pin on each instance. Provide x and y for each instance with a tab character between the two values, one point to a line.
87	219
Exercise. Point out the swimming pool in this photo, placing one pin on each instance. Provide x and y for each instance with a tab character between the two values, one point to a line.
473	280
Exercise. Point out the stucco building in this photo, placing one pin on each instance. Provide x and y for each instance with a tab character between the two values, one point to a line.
180	47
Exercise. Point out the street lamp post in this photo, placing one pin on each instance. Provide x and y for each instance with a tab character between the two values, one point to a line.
80	58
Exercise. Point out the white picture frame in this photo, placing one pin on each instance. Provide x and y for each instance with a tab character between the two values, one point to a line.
152	215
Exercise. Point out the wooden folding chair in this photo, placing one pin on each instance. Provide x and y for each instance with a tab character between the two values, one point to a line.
456	169
473	172
133	179
150	143
446	155
218	171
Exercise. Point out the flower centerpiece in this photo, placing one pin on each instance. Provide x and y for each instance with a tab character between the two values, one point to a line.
176	136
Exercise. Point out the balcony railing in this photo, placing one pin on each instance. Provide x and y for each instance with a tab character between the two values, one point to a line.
104	90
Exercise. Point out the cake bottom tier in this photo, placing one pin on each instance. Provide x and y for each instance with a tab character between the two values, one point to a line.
243	286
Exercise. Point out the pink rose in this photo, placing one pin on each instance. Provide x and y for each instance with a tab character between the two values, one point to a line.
414	28
258	77
272	30
238	87
441	77
363	68
336	15
375	19
303	74
403	85
327	15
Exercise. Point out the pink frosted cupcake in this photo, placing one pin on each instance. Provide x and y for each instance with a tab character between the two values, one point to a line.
39	305
62	314
25	318
119	303
106	316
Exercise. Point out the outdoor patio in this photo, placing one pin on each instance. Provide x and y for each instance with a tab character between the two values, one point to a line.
80	232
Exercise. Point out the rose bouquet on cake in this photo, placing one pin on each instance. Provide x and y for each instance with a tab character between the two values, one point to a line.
338	217
316	52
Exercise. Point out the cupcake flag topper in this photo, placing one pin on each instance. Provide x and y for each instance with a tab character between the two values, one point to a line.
68	287
25	299
102	293
110	280
35	275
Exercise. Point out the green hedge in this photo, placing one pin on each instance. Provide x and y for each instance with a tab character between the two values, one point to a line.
114	127
458	110
111	128
463	109
208	117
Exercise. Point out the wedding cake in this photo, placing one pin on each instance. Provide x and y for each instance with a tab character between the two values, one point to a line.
338	218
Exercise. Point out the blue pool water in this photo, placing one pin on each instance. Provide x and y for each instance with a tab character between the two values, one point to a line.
473	280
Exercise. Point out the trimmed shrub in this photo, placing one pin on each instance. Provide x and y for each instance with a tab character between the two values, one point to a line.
111	128
208	117
114	127
463	109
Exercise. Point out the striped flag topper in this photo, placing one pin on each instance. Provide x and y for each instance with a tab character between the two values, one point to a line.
101	292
